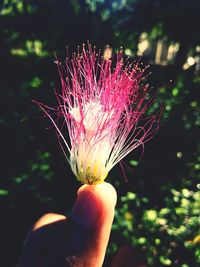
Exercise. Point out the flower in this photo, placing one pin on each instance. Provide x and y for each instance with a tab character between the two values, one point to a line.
104	109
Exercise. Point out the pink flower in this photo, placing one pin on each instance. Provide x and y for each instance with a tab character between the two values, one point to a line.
103	103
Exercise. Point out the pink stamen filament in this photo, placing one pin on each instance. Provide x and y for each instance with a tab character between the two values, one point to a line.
103	109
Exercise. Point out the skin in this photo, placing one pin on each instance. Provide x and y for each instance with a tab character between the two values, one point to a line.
78	241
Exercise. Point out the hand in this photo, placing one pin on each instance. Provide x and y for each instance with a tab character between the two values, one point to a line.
80	240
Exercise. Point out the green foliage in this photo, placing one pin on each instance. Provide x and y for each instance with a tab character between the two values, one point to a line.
158	209
162	233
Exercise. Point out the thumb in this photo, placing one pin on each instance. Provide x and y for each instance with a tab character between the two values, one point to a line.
94	211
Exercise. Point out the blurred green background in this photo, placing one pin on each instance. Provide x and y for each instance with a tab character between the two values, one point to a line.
158	208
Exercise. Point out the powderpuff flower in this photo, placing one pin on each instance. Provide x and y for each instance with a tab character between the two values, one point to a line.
103	104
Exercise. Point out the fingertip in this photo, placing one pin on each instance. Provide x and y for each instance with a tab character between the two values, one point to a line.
94	209
103	191
94	205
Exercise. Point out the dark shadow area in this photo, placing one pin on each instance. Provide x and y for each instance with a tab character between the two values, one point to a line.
158	208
